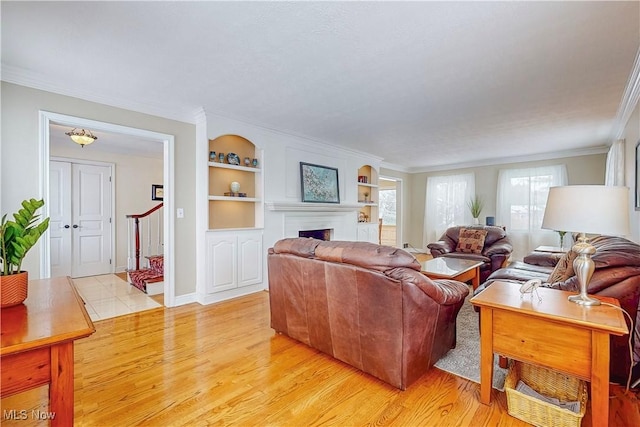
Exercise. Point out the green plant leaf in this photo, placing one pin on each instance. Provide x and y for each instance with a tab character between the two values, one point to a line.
19	236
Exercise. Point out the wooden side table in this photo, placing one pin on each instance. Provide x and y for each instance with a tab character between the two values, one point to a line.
36	344
554	333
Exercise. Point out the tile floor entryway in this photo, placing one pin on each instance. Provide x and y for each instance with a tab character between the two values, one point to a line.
109	296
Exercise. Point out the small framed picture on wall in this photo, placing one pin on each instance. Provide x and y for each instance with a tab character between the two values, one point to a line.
157	192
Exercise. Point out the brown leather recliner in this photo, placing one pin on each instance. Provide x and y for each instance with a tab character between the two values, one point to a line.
617	275
495	253
364	304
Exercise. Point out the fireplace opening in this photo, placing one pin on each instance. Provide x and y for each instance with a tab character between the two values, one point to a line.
324	234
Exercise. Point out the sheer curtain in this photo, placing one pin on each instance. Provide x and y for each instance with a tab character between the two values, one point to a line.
521	200
614	174
446	204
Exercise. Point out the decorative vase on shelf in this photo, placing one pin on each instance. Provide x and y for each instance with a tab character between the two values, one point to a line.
476	221
235	187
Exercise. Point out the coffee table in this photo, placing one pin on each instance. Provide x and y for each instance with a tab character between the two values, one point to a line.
459	269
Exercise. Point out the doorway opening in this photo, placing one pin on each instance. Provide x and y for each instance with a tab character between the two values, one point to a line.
136	139
390	211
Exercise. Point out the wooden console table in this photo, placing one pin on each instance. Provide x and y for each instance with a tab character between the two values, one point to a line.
36	346
554	333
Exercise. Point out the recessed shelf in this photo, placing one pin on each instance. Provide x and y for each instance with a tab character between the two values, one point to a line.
362	184
234	199
234	167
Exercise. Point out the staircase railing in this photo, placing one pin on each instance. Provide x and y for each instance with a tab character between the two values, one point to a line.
135	230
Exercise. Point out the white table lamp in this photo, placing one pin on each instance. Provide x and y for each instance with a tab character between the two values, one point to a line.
594	209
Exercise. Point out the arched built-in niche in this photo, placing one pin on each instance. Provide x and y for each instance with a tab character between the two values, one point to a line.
228	208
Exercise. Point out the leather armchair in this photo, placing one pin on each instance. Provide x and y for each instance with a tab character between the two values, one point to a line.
495	253
617	275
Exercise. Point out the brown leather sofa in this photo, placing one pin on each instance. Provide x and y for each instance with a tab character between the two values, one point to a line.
364	304
495	253
617	275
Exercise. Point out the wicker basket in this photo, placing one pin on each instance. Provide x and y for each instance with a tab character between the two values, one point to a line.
548	383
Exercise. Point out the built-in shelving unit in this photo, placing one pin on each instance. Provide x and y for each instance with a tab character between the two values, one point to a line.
226	211
368	193
367	229
234	254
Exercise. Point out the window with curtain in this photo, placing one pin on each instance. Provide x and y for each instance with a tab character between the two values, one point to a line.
614	174
521	201
446	204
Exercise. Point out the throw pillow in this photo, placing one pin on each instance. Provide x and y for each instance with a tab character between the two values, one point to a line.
471	241
564	268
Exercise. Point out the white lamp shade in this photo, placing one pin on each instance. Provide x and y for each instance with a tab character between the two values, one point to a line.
594	209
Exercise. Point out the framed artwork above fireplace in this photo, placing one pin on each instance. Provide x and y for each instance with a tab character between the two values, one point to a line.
319	184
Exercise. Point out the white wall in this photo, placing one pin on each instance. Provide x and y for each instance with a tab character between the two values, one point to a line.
20	162
134	176
632	137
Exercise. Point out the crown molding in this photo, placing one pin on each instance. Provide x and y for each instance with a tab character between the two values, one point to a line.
33	80
515	159
629	100
395	167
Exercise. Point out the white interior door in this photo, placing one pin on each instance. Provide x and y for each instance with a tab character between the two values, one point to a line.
81	219
60	218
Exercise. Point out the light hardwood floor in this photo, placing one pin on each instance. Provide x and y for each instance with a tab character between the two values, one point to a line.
222	365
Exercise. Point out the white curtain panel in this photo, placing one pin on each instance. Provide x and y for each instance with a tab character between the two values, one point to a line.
520	203
614	174
446	204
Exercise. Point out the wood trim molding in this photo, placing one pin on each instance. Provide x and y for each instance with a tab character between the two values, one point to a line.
629	100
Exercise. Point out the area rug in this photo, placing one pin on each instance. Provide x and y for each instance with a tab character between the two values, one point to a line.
464	360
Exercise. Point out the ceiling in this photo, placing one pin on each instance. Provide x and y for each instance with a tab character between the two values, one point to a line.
107	142
420	84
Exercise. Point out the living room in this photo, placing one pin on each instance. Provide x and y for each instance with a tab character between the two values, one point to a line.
27	91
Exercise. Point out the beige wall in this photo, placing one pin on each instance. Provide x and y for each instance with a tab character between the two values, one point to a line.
20	162
581	170
631	137
134	176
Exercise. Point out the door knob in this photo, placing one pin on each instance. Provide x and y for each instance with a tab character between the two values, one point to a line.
75	225
66	226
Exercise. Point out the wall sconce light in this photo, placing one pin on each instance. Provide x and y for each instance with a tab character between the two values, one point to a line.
82	137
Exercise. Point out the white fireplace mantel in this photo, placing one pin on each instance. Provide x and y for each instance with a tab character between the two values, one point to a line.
312	207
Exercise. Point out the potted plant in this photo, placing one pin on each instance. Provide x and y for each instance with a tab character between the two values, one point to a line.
16	238
475	206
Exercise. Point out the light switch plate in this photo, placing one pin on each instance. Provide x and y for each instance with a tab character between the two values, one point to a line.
180	213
